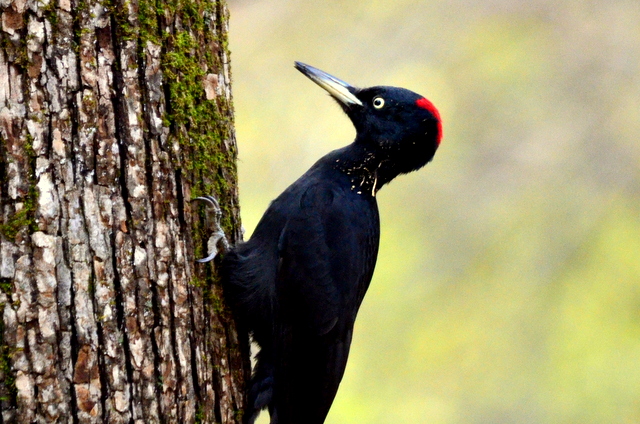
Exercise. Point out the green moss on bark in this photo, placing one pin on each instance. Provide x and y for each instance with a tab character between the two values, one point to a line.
193	43
24	218
8	391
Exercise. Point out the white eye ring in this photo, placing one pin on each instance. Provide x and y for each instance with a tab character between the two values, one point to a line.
378	102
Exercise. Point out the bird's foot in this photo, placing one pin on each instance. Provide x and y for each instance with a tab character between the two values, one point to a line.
218	236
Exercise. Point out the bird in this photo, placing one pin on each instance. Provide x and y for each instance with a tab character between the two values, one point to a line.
296	285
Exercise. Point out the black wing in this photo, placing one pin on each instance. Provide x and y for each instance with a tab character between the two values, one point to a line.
327	253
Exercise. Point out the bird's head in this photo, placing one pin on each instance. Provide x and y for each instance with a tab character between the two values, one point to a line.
399	126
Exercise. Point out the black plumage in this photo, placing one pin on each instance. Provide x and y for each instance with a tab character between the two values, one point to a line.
297	284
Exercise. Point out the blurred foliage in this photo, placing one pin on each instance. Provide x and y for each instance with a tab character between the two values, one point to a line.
508	283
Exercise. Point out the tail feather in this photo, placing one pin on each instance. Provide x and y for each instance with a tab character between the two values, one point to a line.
260	394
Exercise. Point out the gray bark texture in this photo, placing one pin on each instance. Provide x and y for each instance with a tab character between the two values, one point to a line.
114	114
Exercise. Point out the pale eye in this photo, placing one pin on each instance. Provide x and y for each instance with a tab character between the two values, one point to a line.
378	102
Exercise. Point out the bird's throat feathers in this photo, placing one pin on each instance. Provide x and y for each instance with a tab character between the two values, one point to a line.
367	170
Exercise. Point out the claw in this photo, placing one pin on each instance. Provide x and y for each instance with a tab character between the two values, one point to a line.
209	258
211	200
218	235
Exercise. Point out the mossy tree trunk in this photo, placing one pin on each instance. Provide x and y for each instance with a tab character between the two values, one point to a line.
113	115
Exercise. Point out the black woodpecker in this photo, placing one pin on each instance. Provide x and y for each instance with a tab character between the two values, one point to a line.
297	284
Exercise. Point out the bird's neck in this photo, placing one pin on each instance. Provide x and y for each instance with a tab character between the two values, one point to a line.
366	168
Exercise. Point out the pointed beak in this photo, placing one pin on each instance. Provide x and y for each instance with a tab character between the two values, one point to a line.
338	89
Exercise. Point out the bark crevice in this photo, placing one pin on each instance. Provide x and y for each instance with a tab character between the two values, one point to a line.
120	320
74	348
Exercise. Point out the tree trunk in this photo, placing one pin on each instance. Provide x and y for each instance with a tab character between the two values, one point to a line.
113	116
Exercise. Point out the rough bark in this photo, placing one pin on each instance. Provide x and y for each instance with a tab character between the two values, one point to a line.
113	115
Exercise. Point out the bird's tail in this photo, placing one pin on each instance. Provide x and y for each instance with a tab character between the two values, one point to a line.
260	394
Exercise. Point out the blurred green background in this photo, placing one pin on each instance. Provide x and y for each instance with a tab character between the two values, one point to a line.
508	282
